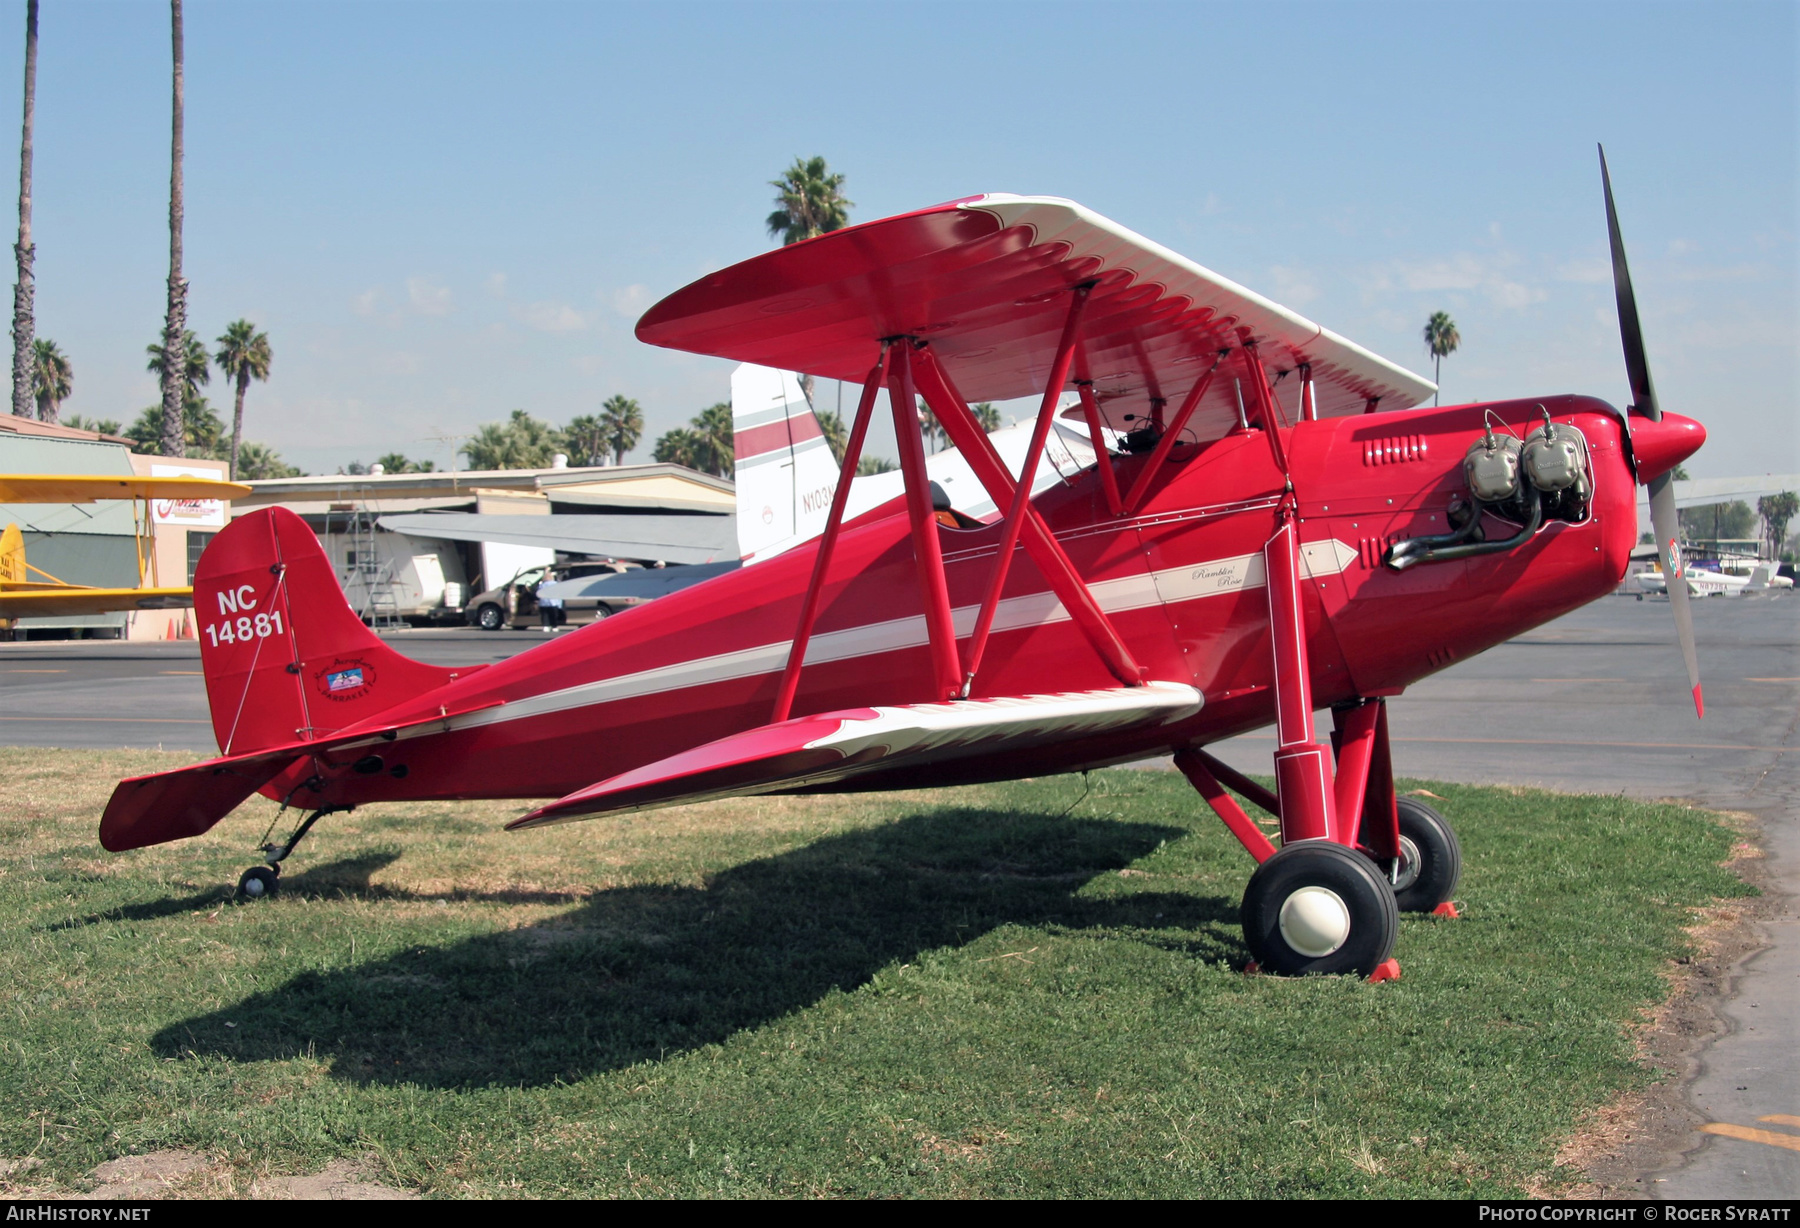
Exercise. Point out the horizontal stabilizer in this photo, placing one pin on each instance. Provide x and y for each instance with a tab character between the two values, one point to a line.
835	746
165	806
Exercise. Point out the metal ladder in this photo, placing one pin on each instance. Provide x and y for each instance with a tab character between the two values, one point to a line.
377	606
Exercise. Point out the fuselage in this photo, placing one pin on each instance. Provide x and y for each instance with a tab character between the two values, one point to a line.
1182	581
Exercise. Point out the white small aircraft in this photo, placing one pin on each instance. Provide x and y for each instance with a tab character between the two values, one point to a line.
786	474
1704	583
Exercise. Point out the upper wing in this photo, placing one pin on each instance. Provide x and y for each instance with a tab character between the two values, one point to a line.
836	746
984	280
59	488
67	600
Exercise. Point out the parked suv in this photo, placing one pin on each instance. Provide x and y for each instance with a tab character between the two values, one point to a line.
514	604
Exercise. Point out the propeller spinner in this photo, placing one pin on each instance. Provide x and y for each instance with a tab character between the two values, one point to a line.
1658	444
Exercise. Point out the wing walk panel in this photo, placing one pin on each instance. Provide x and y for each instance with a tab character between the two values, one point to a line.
836	746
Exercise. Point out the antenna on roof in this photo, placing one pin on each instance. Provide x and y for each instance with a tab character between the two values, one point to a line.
452	440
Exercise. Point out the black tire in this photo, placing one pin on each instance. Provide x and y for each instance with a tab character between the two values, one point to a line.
1430	858
489	617
258	882
1287	887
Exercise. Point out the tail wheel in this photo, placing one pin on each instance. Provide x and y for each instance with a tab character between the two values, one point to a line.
1319	908
258	882
1430	858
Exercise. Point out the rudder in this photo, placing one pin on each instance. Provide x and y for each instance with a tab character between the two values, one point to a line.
285	657
12	555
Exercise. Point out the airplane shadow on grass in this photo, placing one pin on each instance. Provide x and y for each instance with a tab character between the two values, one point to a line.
637	973
348	877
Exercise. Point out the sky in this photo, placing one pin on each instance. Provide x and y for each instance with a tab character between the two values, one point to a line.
440	213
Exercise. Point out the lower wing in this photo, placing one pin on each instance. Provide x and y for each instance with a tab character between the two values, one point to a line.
836	746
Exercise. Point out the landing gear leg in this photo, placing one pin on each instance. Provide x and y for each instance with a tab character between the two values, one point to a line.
265	880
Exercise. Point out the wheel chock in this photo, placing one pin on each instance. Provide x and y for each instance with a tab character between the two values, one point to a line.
1447	909
1386	970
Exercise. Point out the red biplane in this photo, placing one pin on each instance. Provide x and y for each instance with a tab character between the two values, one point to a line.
1280	532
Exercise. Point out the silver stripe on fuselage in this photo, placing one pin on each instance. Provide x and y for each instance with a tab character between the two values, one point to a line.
1167	587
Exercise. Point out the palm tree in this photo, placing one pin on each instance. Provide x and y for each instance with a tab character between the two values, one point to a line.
586	439
196	369
202	431
399	462
987	415
105	426
24	290
678	447
874	464
243	355
1776	511
837	438
175	326
809	201
52	378
622	425
713	427
257	461
1441	340
521	442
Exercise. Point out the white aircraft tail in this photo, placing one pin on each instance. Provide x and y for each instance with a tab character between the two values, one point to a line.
786	475
1762	577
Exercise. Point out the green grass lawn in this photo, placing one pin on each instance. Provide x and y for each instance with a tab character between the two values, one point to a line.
1000	990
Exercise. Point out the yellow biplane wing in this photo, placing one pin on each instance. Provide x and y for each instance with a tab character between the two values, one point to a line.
64	600
23	596
59	488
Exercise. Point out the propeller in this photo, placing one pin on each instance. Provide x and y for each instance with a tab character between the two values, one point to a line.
1663	520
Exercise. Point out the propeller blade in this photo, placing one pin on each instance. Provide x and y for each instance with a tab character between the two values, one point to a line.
1637	365
1663	521
1643	401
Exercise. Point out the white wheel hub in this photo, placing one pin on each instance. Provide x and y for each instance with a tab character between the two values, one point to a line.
1315	921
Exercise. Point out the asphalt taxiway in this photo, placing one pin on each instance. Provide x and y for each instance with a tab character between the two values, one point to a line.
1594	702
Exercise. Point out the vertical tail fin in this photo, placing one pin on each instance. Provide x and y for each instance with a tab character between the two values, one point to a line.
12	555
285	657
785	473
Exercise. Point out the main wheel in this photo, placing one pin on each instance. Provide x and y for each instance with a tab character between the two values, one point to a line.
258	881
1319	908
1430	858
489	617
